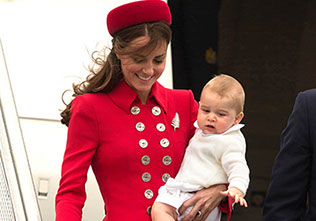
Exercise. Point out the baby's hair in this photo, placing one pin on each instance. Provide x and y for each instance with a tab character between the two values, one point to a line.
227	87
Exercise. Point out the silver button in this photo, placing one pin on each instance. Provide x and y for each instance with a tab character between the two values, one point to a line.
145	160
149	194
166	160
164	142
146	177
149	210
140	126
143	143
161	127
165	177
135	110
156	110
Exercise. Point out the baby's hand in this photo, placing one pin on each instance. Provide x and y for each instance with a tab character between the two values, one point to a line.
236	194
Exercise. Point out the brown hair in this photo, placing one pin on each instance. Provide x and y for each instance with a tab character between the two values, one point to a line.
227	87
106	72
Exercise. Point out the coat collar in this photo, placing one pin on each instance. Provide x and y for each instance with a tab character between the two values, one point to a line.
124	96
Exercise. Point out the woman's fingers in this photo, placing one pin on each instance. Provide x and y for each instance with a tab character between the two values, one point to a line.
205	201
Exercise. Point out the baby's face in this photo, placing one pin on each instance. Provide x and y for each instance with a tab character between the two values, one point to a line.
216	114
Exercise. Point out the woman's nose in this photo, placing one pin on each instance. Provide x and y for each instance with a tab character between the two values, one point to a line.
148	68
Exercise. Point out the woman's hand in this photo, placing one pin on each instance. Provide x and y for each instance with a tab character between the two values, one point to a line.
203	202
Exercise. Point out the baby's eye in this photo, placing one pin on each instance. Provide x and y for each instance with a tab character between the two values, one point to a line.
221	114
205	110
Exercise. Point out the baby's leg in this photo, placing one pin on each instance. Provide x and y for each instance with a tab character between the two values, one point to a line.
163	212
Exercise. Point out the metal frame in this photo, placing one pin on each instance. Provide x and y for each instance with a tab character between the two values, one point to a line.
13	156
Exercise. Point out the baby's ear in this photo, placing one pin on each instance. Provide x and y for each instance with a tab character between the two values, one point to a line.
238	118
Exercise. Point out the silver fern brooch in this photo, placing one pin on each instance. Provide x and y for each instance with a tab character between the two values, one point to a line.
175	122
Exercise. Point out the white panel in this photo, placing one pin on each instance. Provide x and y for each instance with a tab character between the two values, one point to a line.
45	142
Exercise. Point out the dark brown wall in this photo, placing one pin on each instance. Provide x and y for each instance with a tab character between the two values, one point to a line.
270	47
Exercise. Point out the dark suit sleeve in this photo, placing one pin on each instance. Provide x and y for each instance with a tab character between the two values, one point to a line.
286	197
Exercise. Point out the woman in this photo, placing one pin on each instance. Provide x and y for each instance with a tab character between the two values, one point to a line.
129	128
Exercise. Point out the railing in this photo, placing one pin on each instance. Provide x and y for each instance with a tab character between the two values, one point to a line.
18	199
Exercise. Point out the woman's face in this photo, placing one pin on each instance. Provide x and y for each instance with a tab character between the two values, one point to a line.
142	70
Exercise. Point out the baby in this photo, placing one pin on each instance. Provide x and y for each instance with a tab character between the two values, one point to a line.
215	154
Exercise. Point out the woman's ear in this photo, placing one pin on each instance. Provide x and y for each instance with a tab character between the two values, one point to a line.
238	118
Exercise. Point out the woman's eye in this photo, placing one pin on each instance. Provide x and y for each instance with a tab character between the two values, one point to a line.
137	60
158	61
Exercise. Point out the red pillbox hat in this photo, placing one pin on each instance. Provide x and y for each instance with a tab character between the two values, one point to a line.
137	12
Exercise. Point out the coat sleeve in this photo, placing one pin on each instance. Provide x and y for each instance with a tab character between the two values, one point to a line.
82	142
286	197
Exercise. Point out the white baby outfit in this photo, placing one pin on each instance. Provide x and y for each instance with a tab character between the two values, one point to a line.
209	159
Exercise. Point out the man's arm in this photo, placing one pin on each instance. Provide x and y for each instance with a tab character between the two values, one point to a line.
286	197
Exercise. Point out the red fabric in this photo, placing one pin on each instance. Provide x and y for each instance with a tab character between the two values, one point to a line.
102	134
227	207
137	12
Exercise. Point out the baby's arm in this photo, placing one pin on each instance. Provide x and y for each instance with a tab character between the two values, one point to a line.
236	194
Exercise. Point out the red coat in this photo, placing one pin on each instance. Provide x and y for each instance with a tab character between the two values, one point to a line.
131	147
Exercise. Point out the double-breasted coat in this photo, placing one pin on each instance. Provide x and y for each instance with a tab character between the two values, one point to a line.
133	148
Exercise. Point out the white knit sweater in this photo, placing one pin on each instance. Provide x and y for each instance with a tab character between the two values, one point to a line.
216	158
